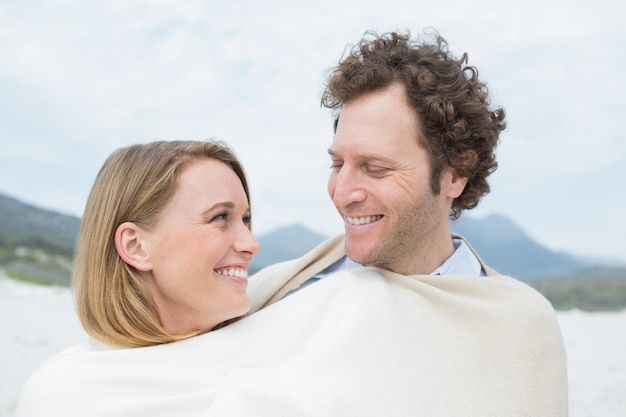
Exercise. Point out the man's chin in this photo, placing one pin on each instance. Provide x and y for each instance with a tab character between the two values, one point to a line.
357	251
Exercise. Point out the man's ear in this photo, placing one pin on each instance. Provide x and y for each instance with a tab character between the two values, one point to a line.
457	185
459	177
128	243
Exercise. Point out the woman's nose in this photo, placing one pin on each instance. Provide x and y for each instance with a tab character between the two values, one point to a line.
246	242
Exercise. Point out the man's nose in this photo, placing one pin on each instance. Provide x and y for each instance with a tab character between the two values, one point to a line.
346	187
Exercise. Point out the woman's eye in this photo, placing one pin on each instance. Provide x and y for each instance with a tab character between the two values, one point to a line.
247	220
221	216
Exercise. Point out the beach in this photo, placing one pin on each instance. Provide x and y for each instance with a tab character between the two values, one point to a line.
38	321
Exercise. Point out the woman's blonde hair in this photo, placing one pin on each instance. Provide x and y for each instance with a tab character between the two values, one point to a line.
134	184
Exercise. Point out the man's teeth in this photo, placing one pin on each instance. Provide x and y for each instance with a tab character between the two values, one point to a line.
363	220
233	272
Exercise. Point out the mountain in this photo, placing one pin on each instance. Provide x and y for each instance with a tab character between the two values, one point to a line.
22	224
36	245
509	250
498	240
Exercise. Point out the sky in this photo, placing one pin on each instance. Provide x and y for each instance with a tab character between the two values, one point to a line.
79	79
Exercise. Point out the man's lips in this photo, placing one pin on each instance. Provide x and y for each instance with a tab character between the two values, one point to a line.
363	220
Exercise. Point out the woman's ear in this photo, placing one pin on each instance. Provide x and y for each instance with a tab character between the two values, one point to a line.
128	244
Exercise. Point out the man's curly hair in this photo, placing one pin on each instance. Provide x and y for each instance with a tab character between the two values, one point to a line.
459	129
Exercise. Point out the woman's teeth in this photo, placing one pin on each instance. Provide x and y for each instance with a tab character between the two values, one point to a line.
233	272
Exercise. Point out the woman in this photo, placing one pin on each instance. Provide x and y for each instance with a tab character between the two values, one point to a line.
162	253
164	245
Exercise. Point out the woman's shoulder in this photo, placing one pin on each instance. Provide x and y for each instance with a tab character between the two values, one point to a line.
49	384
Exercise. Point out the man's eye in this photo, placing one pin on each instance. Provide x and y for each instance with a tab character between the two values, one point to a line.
376	169
336	163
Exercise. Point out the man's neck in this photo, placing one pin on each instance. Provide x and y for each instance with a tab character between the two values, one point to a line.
424	260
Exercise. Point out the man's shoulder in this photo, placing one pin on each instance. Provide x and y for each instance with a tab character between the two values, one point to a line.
519	297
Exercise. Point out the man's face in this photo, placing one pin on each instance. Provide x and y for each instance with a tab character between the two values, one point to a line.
379	184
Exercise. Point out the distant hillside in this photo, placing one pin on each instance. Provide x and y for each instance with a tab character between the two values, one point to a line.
594	289
567	281
36	245
508	249
22	224
498	240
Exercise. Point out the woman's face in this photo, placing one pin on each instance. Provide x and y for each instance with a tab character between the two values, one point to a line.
200	248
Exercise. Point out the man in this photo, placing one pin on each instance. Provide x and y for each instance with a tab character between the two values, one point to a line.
414	143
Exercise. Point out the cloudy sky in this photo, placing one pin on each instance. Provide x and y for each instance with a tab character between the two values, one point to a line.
79	79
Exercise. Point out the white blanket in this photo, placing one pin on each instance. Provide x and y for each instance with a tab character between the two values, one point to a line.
361	343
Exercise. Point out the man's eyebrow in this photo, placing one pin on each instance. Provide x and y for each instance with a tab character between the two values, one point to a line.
365	157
